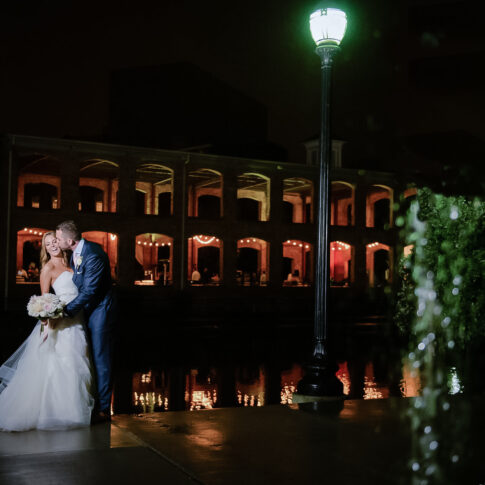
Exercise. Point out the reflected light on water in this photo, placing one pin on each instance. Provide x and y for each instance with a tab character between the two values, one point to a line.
410	382
344	377
250	388
151	389
202	400
371	389
150	402
289	381
454	383
200	390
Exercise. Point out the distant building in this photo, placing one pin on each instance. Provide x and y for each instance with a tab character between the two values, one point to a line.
159	214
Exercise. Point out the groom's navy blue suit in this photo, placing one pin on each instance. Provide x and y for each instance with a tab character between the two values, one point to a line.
92	276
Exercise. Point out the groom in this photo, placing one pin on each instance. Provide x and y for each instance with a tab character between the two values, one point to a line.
92	276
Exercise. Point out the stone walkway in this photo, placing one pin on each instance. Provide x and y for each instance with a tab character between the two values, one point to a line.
354	442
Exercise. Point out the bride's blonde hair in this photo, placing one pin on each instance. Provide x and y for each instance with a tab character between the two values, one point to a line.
45	256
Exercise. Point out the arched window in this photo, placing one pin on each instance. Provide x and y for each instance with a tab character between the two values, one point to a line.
91	199
29	241
204	260
409	196
154	259
253	197
297	263
341	271
342	198
98	185
109	242
155	182
378	264
298	200
204	194
39	181
140	202
378	207
252	268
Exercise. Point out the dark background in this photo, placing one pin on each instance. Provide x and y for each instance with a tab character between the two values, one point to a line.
408	83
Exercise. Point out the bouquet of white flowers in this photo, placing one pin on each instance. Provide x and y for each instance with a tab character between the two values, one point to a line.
47	306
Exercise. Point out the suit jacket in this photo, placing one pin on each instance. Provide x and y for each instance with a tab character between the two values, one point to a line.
92	276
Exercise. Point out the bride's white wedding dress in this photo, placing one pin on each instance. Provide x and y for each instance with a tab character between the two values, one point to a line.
47	382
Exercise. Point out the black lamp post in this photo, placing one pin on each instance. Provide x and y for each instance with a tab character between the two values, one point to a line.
328	28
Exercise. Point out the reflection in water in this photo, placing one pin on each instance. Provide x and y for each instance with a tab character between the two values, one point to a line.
200	390
202	400
344	376
410	383
454	384
250	386
150	402
371	388
289	381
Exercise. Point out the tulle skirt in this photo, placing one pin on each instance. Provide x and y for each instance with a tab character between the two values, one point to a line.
47	383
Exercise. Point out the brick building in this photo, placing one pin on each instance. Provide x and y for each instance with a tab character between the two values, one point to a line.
246	226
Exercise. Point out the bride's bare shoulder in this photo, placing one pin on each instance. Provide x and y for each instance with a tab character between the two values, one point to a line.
47	268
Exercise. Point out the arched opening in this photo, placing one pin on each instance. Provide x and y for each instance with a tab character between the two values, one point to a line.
29	241
39	181
381	213
253	197
91	199
287	212
378	207
298	192
153	259
409	196
109	242
297	263
209	207
342	196
378	264
140	202
252	266
98	185
155	181
410	192
204	194
204	261
40	196
341	271
248	209
165	204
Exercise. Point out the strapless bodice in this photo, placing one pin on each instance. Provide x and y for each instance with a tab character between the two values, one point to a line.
64	287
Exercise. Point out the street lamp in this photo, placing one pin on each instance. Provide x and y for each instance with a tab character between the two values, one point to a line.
328	28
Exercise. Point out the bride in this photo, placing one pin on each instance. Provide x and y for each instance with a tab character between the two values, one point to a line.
46	383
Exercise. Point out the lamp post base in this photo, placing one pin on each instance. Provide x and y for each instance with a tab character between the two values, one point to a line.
320	381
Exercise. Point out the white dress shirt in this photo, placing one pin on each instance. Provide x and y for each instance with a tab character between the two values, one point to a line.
77	251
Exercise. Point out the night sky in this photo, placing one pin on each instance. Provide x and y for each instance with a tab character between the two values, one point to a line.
407	72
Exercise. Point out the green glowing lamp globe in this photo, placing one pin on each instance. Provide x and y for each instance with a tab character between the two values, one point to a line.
327	26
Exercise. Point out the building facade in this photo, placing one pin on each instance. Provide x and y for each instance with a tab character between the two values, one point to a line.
217	231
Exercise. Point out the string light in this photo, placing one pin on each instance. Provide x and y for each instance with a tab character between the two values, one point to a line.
202	241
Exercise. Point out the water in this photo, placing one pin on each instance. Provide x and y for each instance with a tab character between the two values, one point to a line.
197	369
151	390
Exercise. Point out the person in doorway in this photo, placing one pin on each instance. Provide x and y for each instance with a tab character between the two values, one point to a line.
195	278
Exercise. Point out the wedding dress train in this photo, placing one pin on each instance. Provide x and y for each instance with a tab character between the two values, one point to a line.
47	382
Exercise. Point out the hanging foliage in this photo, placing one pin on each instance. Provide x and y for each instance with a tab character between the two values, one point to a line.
452	248
441	304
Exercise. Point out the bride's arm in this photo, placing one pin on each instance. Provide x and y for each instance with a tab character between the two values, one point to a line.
45	280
